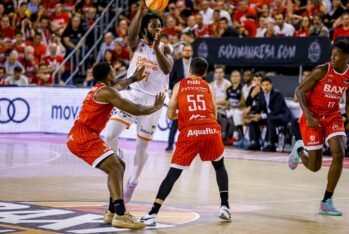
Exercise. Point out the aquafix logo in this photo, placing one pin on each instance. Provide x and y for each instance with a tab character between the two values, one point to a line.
72	217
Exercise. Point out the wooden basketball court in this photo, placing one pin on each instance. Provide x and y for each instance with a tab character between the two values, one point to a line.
45	189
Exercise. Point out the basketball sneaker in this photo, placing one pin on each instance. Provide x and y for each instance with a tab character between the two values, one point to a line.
149	220
294	158
129	190
127	221
108	217
327	208
224	213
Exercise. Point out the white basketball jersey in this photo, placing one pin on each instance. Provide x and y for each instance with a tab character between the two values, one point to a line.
155	81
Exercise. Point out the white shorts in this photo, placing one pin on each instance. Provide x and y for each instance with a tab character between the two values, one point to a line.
146	124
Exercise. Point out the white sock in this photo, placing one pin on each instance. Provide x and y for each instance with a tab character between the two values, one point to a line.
140	159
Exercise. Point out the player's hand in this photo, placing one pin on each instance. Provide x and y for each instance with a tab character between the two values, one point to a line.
139	73
312	122
159	100
156	42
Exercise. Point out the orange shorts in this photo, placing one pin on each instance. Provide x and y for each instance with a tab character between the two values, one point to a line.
205	140
87	145
331	125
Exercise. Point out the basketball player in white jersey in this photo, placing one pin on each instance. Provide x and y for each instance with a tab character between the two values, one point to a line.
147	50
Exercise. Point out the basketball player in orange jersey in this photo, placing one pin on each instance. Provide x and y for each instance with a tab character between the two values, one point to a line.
147	50
85	143
199	134
319	96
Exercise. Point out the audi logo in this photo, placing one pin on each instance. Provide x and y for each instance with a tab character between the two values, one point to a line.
167	124
16	110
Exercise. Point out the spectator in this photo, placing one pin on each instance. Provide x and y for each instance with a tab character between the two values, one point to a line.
220	86
21	14
336	12
107	44
72	34
220	6
247	77
39	48
171	28
272	111
187	37
17	78
3	49
179	71
89	81
278	7
6	29
235	102
2	10
90	17
12	62
270	30
191	25
109	57
225	30
318	28
27	29
44	76
342	31
175	13
201	29
59	19
283	29
30	68
214	27
249	26
305	27
33	6
206	12
262	27
122	29
19	45
53	60
44	28
121	50
243	9
3	76
252	99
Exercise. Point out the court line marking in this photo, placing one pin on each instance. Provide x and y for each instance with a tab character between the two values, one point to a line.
298	200
58	155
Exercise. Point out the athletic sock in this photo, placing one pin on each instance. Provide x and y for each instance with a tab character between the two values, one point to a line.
224	199
300	149
111	206
328	195
119	207
155	209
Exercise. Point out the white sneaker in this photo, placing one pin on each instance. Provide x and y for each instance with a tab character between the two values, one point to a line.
149	220
129	190
224	213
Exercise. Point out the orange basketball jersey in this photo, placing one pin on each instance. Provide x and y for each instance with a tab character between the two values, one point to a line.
94	115
194	103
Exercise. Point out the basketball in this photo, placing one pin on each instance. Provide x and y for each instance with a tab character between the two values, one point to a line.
156	5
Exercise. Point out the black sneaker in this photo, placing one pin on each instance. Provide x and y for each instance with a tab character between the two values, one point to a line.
169	148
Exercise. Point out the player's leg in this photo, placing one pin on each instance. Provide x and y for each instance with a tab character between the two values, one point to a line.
337	147
172	135
308	150
186	150
146	127
140	159
114	128
115	168
163	192
223	186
